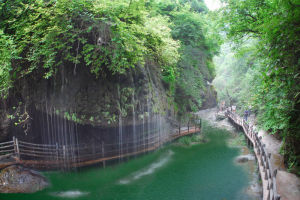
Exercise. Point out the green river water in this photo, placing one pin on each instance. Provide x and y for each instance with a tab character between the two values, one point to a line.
197	172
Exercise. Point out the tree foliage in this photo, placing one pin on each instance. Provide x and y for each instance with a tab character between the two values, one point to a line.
273	76
7	53
98	34
190	25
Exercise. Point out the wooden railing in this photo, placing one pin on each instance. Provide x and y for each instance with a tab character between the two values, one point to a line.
67	156
7	149
268	174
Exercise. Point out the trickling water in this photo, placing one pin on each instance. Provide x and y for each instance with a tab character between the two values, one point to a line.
48	124
120	136
134	124
58	131
143	132
148	119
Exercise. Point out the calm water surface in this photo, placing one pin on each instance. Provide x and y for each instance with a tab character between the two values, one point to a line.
198	172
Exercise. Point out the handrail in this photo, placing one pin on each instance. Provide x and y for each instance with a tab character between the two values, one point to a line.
266	171
34	147
7	151
34	144
2	143
7	146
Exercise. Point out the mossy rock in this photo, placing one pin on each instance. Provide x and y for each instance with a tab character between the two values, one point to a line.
17	179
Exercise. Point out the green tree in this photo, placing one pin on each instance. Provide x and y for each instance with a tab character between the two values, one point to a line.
275	25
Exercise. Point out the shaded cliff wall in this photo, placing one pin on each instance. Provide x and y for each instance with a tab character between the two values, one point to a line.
80	108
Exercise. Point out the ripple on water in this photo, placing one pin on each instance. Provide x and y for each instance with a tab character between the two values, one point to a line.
148	170
70	194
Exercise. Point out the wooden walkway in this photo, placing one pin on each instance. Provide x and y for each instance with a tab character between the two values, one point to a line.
268	175
49	156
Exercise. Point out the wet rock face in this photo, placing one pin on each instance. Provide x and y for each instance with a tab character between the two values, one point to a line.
4	123
16	179
85	102
209	97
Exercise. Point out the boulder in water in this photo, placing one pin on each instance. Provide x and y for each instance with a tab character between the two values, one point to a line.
17	179
220	116
244	158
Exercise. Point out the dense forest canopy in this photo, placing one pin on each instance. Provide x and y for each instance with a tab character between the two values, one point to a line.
261	68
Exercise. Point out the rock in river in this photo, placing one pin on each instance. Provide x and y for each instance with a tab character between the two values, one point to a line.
245	158
17	179
220	116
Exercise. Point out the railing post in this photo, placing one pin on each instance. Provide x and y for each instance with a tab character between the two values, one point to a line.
56	148
275	173
200	123
18	150
64	152
16	147
102	147
266	173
